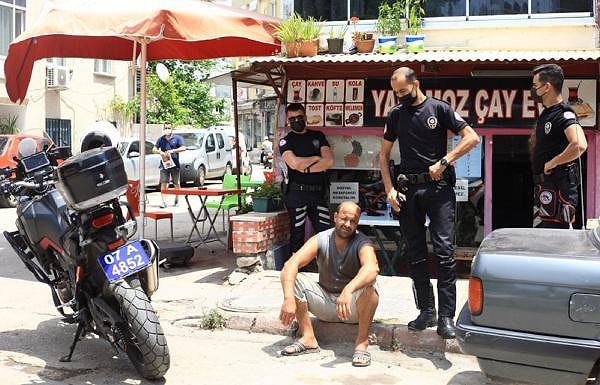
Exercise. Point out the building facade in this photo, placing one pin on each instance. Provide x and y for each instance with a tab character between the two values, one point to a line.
65	95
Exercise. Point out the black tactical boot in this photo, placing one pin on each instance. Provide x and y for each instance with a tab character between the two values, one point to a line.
445	328
426	319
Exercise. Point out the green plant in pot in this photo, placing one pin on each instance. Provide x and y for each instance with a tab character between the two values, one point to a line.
309	37
288	31
363	41
415	41
335	42
389	25
267	197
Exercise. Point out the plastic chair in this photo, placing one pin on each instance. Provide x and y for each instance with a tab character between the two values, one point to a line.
230	201
133	198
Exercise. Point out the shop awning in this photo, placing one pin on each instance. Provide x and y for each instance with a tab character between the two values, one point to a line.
443	56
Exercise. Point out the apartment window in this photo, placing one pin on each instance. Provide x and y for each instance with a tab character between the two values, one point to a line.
332	10
102	66
12	22
56	62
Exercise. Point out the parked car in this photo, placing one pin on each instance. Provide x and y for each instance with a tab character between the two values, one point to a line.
9	148
207	155
129	148
244	148
533	313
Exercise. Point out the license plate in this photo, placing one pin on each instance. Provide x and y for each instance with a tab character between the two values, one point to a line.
124	261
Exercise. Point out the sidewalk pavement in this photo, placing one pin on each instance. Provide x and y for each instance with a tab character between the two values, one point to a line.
187	293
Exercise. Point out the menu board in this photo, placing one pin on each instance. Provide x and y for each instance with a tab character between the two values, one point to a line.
329	102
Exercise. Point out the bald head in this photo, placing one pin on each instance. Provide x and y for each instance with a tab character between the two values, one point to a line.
349	206
405	74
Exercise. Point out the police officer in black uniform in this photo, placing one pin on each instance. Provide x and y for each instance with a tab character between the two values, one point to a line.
420	125
307	155
557	142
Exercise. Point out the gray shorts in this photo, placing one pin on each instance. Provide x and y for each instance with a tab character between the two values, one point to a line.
322	303
170	173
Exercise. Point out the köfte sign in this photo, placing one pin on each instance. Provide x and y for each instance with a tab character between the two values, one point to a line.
483	102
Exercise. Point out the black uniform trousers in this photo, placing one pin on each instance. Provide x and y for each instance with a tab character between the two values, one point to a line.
302	205
437	200
555	198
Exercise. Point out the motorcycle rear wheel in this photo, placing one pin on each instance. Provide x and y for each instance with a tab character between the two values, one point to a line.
145	342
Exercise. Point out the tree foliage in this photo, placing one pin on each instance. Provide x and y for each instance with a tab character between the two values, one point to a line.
184	98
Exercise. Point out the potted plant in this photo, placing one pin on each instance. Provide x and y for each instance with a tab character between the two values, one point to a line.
362	40
389	25
415	41
267	197
288	31
309	37
335	42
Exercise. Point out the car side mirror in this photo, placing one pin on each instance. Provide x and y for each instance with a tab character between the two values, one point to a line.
133	154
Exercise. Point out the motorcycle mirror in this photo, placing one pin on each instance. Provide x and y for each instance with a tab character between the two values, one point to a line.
27	147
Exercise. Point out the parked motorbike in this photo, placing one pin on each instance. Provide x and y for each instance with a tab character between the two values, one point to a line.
72	235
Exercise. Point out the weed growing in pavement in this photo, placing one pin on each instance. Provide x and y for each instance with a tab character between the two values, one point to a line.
212	320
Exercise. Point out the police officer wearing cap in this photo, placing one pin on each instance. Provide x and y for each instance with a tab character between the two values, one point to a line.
420	125
558	140
307	155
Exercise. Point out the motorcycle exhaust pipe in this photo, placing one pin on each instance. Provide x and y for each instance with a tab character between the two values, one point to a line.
149	277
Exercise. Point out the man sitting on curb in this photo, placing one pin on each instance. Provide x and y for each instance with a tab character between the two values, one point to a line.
346	290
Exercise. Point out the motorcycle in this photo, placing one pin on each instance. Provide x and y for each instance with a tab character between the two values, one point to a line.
72	234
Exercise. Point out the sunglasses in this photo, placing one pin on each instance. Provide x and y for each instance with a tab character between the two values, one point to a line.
296	119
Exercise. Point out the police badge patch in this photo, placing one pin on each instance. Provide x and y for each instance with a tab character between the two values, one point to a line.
282	143
432	122
545	197
315	143
569	115
547	127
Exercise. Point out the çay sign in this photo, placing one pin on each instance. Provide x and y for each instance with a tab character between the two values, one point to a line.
482	102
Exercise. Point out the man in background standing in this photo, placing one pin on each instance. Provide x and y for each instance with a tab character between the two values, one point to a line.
168	146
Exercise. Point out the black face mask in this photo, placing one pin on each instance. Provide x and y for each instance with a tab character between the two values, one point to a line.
536	98
298	125
407	99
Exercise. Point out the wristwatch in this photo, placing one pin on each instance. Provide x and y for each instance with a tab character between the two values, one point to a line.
444	162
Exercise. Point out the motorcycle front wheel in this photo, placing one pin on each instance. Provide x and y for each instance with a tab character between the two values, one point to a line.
142	335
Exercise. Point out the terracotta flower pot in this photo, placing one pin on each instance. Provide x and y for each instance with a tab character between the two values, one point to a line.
291	49
364	46
308	48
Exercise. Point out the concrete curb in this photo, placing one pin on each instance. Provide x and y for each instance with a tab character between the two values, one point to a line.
386	334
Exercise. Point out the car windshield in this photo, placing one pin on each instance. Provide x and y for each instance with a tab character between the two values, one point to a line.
192	139
3	141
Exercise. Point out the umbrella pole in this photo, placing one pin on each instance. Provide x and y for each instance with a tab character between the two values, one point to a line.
237	141
142	171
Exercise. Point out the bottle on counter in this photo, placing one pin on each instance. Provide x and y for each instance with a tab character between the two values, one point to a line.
389	211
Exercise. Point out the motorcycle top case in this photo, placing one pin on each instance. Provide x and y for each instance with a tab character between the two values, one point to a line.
92	177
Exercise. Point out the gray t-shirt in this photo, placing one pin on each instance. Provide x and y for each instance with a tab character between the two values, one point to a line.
337	269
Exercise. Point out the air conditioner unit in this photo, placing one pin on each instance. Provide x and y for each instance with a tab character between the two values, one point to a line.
57	78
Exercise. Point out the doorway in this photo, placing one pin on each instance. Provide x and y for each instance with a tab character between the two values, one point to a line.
512	188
